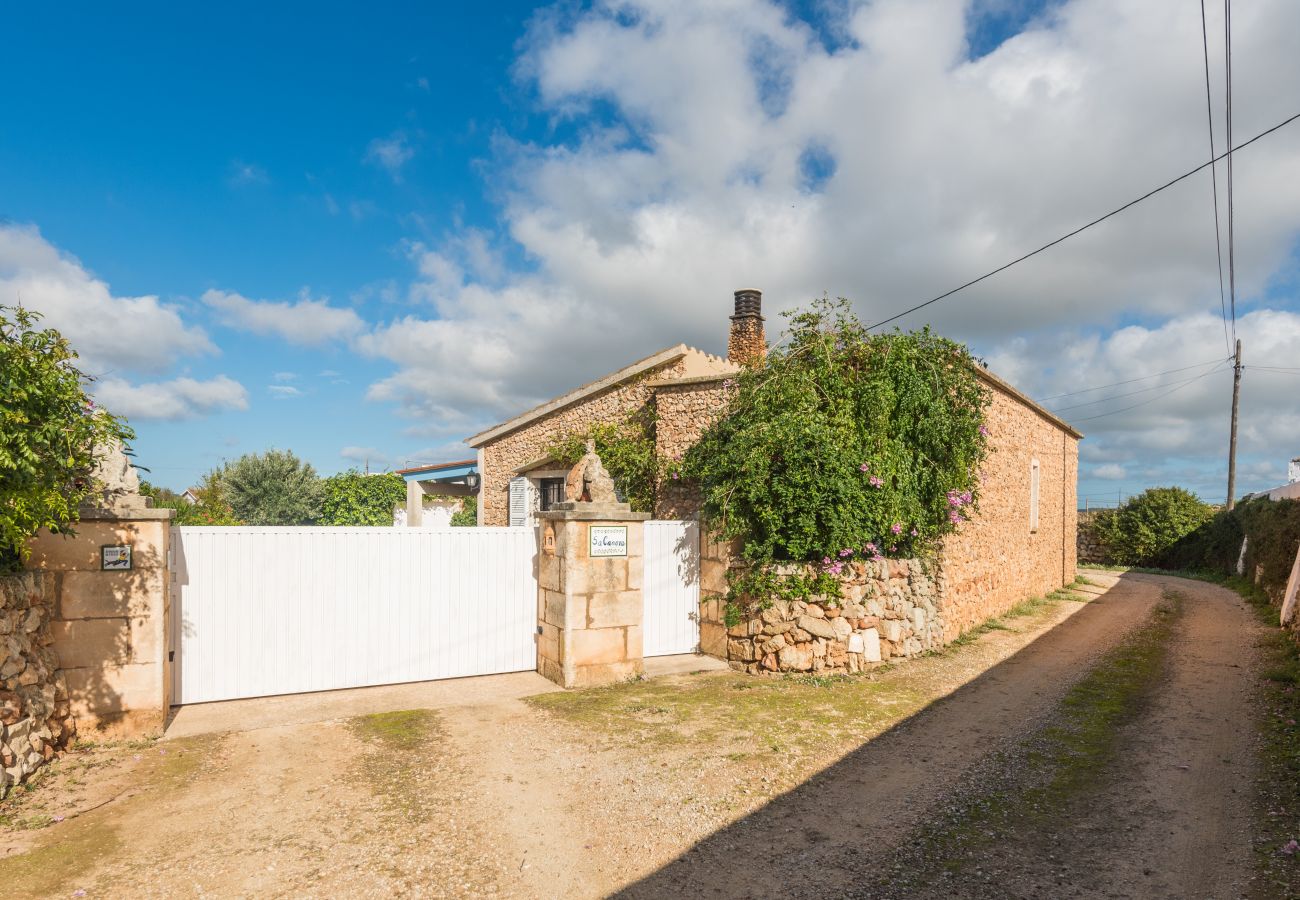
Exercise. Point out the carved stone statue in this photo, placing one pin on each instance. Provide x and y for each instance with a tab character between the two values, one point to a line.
120	484
588	482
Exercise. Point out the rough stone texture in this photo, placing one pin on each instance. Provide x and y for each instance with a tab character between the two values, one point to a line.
995	561
35	719
502	457
110	629
684	409
1089	546
589	608
886	610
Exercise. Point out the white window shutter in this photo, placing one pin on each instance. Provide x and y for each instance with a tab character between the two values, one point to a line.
518	501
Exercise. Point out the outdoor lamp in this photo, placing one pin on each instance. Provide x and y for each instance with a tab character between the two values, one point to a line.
472	481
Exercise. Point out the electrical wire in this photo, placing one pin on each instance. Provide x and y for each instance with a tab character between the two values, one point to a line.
1129	381
1184	384
1097	221
1145	390
1214	177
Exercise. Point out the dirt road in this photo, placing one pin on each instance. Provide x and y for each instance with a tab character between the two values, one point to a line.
723	786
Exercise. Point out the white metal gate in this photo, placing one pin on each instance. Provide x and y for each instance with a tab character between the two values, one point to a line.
671	623
262	611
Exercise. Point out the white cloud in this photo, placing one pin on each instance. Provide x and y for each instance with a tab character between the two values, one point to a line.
244	174
283	377
1109	472
110	332
690	176
390	153
283	391
180	398
367	455
306	321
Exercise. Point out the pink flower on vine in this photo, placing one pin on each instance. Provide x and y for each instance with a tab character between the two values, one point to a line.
845	552
915	532
893	549
870	548
864	467
984	431
896	528
876	481
877	558
826	560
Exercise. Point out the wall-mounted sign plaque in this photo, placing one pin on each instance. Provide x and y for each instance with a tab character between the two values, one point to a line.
115	558
608	540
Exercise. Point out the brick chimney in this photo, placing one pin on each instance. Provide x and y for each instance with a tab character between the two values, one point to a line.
747	345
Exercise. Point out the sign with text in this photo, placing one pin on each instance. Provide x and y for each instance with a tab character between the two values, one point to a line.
115	558
608	540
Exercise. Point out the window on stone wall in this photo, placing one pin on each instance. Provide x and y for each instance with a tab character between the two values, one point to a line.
1033	496
552	492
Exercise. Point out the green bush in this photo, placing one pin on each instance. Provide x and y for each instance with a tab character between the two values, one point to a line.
467	515
627	450
49	430
1148	525
351	498
272	488
843	445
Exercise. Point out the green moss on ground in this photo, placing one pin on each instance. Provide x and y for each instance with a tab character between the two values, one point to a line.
75	846
401	745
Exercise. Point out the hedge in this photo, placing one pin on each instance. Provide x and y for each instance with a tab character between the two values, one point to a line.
1273	529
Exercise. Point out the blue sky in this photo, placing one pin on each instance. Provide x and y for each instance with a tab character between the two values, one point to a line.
365	232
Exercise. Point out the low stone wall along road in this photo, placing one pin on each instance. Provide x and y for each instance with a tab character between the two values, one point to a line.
1098	743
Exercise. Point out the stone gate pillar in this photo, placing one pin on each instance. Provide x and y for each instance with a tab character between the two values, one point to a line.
589	600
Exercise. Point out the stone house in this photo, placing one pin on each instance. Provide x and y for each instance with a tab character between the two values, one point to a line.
1021	543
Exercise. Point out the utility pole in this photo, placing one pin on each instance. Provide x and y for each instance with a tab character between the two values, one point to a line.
1232	440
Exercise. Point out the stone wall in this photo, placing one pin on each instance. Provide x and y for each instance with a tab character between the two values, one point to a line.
35	719
995	560
1089	546
110	629
684	409
886	610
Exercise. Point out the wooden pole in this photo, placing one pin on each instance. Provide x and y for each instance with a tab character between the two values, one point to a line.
1232	439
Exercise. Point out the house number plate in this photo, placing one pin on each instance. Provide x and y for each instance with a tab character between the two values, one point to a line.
608	540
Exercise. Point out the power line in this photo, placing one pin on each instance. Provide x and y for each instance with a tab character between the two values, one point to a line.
1096	221
1145	390
1153	399
1214	176
1129	381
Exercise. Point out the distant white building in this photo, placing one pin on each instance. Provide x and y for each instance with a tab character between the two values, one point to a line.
1288	491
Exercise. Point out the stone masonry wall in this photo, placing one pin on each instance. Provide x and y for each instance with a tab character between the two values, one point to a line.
503	456
685	409
35	720
1089	546
886	610
995	561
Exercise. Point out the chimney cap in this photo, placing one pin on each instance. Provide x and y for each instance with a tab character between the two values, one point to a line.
749	303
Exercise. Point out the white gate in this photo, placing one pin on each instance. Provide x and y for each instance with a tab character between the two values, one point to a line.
262	611
671	588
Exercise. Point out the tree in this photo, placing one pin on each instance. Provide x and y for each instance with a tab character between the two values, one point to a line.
272	488
209	508
49	432
1149	524
351	498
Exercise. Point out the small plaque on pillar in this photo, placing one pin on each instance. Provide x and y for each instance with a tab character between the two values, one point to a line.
608	540
115	558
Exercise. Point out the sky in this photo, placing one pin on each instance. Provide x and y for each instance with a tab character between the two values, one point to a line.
366	232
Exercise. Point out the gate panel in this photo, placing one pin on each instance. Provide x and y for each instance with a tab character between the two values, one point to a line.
264	611
671	587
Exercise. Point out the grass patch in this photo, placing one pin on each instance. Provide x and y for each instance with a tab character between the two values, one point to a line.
398	743
1034	784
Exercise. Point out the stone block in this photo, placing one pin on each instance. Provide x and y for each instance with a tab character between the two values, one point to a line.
108	692
556	605
548	642
871	645
635	643
148	540
797	658
713	577
605	673
92	642
92	595
918	619
713	639
816	627
596	647
842	628
635	572
742	649
615	608
550	571
891	630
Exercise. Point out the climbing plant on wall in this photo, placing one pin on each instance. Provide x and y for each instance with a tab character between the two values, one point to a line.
627	450
844	445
